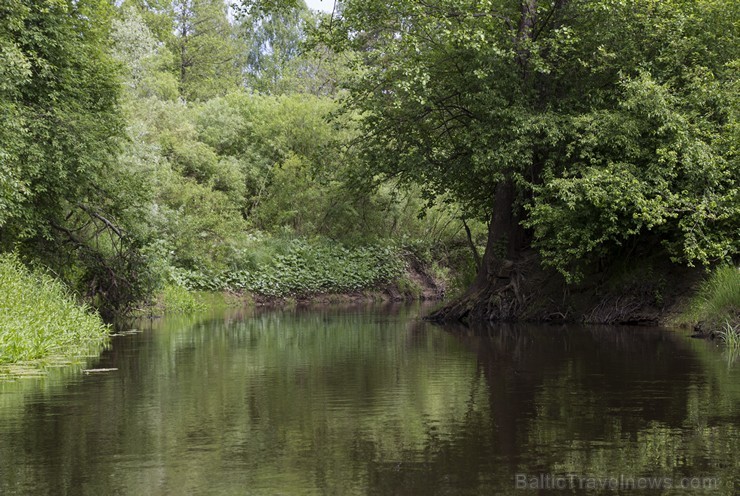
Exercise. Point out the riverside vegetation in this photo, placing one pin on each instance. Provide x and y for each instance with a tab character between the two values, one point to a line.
515	150
40	321
715	306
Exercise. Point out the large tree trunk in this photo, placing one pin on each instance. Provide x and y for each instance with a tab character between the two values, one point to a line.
505	235
497	293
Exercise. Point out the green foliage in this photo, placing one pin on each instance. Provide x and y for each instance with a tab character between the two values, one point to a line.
205	49
228	166
63	198
147	65
40	319
282	55
274	47
301	268
57	112
616	121
648	167
195	53
127	150
730	335
158	16
717	302
408	287
177	300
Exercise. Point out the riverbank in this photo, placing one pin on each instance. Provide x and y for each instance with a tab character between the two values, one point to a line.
416	281
714	310
41	322
649	291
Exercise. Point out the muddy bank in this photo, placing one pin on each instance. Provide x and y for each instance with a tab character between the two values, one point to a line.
416	283
631	292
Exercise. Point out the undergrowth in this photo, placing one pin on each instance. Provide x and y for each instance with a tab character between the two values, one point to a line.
179	300
40	319
730	335
303	268
717	302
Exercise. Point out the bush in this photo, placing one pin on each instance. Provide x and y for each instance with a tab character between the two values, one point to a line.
39	318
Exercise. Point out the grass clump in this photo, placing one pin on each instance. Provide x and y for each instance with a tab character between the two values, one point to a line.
717	303
40	319
176	299
730	335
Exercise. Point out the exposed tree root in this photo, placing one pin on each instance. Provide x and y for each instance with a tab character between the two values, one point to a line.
523	291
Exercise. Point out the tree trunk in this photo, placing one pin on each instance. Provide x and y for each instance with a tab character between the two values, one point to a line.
505	235
497	293
473	248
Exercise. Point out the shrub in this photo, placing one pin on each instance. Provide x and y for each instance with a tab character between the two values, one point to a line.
177	299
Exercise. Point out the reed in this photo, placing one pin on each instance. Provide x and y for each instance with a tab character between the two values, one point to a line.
41	320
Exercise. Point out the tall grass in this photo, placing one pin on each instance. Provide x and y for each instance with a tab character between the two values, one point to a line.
730	335
717	303
39	318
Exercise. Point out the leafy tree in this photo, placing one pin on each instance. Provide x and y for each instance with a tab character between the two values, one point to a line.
54	112
582	128
62	200
205	49
282	55
146	61
273	47
15	72
158	15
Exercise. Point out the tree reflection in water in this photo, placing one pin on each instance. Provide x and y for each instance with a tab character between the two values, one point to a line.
370	400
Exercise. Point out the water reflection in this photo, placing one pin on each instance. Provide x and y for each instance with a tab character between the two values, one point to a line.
369	400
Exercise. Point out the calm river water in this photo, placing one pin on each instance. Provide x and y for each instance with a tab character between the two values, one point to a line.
372	400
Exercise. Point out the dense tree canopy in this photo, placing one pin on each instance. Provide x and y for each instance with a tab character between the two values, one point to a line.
594	124
205	49
223	175
143	137
58	111
273	43
62	198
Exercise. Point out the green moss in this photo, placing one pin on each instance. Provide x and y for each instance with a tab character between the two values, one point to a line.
40	321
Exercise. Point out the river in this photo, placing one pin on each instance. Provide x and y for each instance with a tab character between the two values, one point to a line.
373	400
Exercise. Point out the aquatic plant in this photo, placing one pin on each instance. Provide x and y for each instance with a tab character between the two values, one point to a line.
40	318
730	335
717	302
